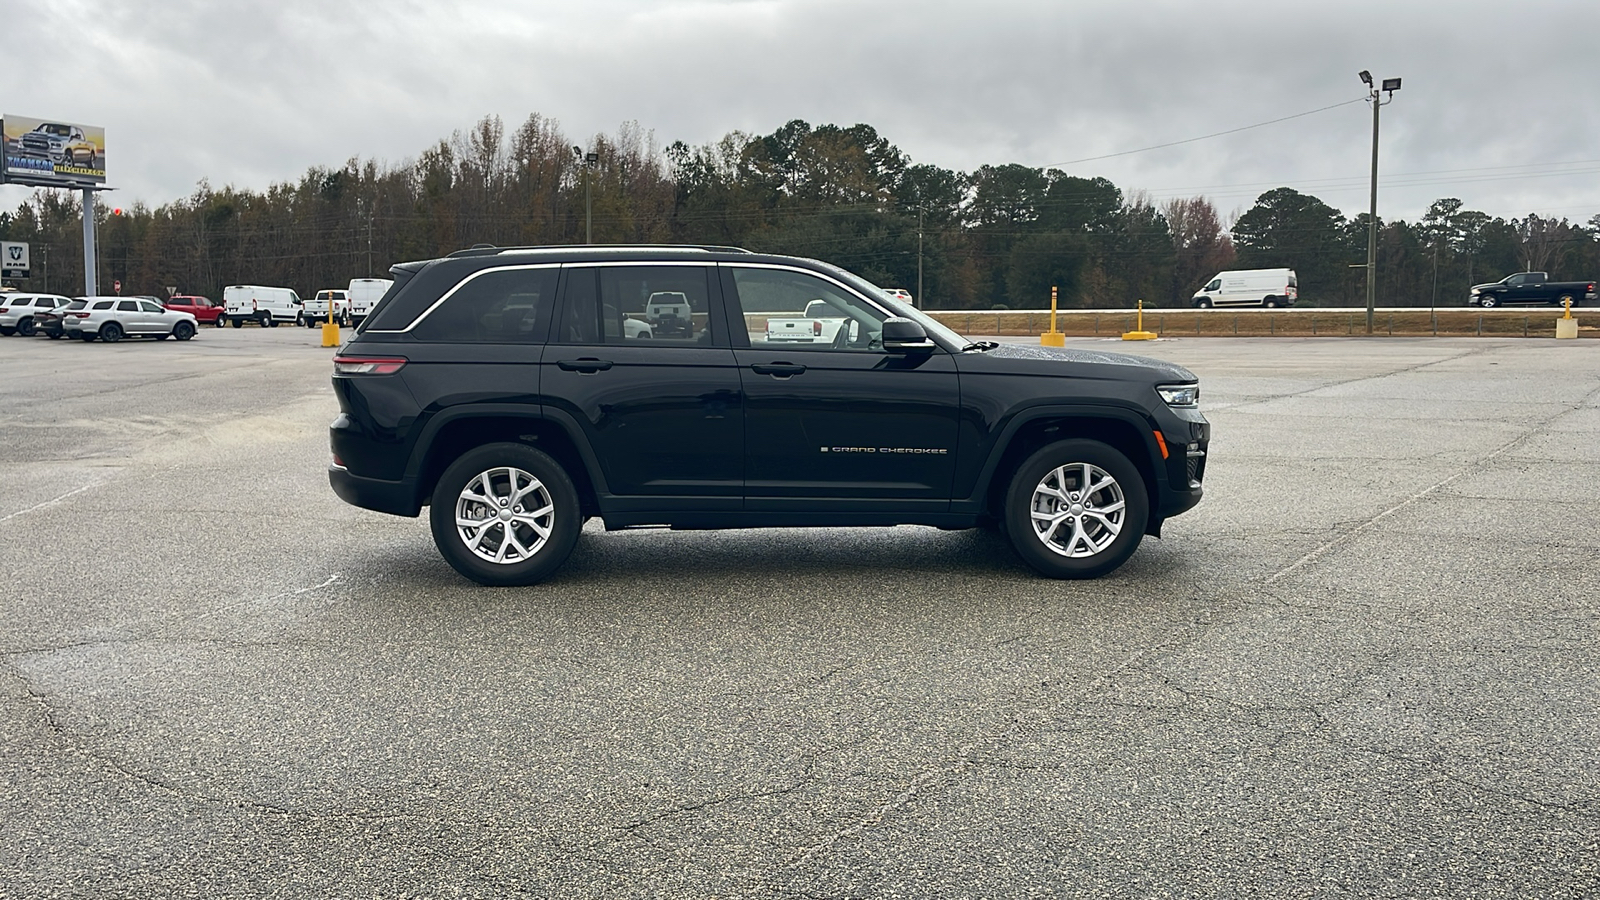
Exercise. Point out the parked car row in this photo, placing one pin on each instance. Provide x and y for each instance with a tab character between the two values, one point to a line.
53	315
109	319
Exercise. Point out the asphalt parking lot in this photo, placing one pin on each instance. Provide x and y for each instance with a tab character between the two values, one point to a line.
1364	666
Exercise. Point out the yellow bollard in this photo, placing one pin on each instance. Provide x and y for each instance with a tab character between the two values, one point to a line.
330	333
1567	326
1138	333
1052	338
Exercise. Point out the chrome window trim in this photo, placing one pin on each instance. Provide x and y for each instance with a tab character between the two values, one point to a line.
452	292
887	314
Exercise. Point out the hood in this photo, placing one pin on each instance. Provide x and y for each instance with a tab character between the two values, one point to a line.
1091	363
1479	287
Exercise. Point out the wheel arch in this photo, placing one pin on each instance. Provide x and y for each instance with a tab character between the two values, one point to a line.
1125	431
448	436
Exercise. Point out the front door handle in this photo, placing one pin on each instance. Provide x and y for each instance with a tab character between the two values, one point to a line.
587	365
779	370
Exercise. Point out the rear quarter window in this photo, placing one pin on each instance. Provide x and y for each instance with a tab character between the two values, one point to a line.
494	306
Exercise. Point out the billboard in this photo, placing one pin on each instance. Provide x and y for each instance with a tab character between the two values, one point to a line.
13	260
52	152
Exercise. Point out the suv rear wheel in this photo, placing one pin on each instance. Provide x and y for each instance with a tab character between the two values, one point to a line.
1076	509
505	514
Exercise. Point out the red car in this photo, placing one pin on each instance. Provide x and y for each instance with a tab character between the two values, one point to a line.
200	307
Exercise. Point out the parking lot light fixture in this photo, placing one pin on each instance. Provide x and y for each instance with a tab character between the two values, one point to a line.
1390	85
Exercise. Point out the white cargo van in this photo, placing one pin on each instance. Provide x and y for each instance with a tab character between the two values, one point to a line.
364	294
266	306
1250	287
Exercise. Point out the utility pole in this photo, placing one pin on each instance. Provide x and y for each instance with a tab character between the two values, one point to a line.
1391	85
917	300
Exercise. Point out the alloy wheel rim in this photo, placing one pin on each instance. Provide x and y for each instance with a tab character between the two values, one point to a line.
1078	510
505	515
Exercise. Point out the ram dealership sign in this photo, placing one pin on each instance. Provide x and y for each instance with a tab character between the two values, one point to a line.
13	260
52	152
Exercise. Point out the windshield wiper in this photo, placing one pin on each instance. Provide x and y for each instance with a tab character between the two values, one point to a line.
980	345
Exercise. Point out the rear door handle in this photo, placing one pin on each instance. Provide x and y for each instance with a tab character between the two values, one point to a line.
779	370
587	365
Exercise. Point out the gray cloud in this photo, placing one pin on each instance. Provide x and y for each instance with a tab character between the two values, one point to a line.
251	93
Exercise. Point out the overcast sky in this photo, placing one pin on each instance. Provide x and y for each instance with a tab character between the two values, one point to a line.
1499	104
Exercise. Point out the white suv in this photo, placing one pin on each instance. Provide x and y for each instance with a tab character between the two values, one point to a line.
16	311
110	318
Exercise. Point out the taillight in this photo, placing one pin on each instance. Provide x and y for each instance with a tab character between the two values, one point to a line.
79	315
4	309
368	365
816	327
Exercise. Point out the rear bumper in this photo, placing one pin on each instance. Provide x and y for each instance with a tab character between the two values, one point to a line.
397	498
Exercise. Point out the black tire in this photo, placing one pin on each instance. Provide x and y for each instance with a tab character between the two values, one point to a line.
8	331
563	522
86	336
237	323
1107	549
53	335
162	337
183	331
219	321
1270	303
1562	300
266	320
111	332
1487	301
1203	303
25	326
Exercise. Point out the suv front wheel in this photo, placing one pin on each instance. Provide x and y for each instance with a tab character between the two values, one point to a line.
505	514
1076	509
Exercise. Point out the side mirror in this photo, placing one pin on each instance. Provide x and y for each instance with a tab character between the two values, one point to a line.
905	336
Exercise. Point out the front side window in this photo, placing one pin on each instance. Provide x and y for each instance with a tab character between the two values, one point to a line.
150	307
667	305
503	306
783	308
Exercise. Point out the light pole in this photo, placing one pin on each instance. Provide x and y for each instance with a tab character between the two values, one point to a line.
589	159
1390	85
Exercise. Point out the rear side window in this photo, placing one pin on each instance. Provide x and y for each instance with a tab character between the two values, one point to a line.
128	306
104	304
666	305
495	306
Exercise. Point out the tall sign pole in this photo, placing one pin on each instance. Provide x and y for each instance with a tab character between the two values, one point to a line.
88	244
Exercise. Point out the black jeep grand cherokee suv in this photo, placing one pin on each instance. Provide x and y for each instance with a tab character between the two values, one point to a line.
521	391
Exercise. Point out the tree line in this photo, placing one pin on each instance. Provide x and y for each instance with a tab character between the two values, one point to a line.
996	237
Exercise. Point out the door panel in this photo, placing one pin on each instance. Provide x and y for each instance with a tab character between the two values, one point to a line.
660	405
850	425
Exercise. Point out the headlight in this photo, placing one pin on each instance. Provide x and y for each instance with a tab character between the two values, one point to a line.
1186	395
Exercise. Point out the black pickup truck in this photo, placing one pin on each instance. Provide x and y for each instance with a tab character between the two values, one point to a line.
1531	287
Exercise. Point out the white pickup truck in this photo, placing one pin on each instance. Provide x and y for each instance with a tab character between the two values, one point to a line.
819	324
316	309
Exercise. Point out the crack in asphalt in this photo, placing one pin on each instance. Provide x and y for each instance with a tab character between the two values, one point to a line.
1467	469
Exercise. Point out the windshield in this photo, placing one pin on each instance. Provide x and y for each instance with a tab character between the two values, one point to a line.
900	308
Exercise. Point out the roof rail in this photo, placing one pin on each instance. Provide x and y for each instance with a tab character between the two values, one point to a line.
490	250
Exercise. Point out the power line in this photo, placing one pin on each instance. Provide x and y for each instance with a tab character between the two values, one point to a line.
1204	137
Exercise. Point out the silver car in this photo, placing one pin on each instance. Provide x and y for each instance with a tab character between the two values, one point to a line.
17	311
112	318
